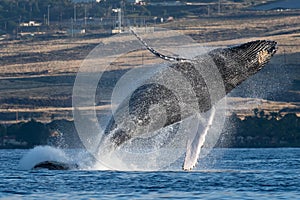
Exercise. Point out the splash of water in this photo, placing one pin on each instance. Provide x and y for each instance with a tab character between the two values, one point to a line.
47	153
41	154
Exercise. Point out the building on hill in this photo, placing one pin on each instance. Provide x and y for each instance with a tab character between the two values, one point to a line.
30	23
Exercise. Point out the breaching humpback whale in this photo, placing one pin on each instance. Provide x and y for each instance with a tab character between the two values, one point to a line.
235	64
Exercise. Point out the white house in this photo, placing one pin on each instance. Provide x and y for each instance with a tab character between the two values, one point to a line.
31	23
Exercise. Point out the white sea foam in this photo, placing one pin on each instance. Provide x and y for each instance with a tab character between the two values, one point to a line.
40	154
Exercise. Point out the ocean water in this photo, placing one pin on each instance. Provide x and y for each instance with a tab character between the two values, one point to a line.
223	174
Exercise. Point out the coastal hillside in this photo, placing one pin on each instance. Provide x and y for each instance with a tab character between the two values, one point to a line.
38	67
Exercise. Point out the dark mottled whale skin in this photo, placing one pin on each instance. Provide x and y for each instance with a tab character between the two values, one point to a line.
235	64
54	165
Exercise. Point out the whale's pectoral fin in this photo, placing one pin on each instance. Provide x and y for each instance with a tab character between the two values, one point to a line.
194	144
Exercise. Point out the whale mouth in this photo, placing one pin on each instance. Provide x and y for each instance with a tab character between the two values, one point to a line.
273	48
265	54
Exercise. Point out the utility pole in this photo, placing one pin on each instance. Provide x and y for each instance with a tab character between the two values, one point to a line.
48	15
18	27
85	15
75	12
30	17
72	27
119	11
219	7
120	19
208	10
122	6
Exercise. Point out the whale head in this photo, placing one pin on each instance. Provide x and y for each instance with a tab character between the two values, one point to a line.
238	63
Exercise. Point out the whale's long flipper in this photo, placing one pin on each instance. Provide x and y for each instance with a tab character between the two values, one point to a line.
195	144
156	53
